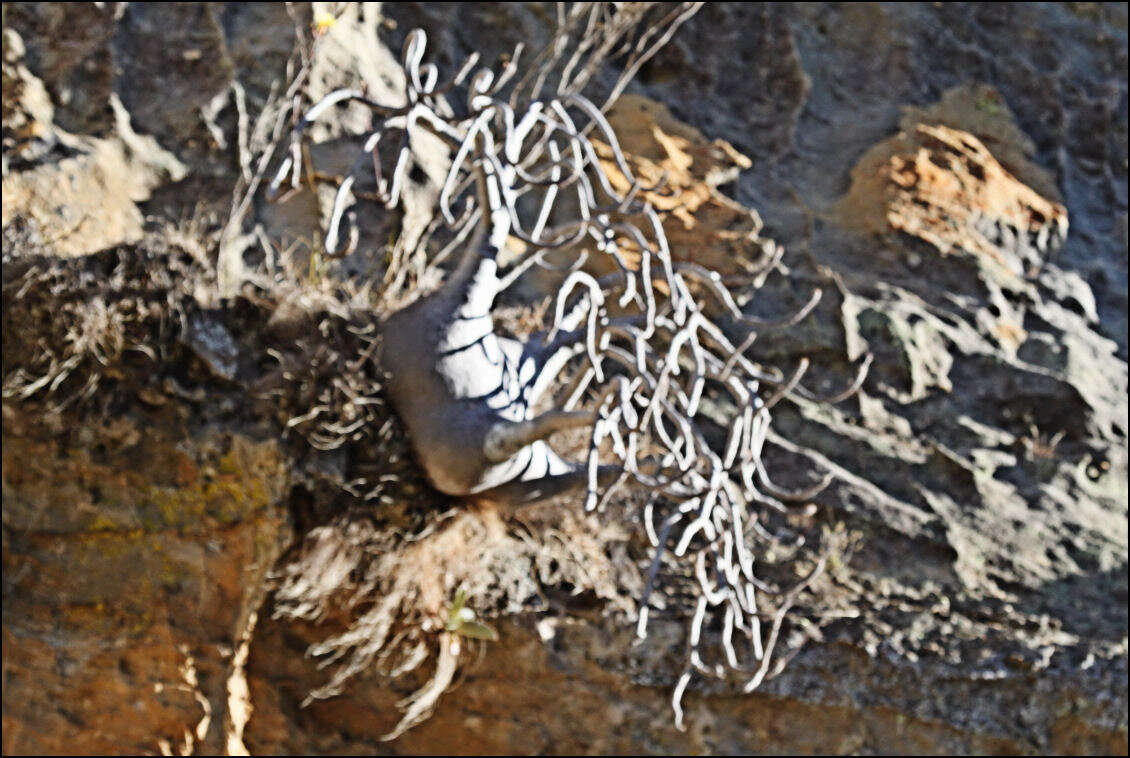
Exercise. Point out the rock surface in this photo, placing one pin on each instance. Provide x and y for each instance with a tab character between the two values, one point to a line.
953	177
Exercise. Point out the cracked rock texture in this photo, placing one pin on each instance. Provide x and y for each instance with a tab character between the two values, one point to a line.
953	176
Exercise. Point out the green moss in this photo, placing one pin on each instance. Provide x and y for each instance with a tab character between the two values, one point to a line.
237	492
103	523
990	105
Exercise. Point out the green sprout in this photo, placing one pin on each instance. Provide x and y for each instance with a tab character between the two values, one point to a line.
461	620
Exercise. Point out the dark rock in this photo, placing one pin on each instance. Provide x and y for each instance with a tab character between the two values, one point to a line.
977	599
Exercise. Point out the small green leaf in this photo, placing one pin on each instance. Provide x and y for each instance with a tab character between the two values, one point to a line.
477	630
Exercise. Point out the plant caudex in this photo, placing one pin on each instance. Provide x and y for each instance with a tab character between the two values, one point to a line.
641	350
